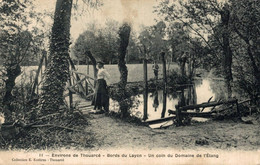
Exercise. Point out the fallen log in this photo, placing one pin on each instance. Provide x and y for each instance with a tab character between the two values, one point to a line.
193	114
204	105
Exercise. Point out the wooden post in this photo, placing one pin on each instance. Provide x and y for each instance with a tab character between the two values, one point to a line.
81	89
35	83
165	84
178	116
70	95
189	67
87	66
164	103
86	87
238	111
145	89
86	83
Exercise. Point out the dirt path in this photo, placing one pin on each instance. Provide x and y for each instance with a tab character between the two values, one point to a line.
112	133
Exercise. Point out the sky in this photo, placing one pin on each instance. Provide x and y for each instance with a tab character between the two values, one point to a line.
137	12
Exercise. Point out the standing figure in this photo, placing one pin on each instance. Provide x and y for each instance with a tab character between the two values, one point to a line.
155	70
183	60
101	98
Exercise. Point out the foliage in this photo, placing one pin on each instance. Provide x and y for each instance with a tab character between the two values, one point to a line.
102	43
228	34
17	44
61	129
51	132
246	15
174	78
151	41
133	54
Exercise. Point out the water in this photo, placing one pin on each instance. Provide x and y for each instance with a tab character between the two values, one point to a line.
200	92
197	93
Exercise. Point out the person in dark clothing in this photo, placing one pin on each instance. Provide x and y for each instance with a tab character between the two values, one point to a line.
101	98
155	70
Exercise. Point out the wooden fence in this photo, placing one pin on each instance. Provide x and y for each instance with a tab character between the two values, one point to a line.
182	112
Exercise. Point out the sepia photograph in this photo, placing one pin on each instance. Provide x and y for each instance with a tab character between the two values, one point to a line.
129	82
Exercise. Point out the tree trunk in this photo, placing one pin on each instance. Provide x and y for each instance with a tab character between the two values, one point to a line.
256	73
57	71
124	33
12	72
227	53
165	85
145	117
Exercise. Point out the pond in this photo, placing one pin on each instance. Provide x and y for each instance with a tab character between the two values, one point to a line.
198	92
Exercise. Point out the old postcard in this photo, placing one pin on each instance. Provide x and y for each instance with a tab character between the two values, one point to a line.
129	82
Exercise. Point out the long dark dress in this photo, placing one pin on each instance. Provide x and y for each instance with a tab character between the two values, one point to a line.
101	98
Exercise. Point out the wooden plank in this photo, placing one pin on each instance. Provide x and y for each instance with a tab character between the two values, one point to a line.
161	125
78	82
73	71
193	114
156	121
89	83
86	97
77	77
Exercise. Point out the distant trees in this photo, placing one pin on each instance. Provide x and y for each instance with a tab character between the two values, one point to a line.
101	43
151	41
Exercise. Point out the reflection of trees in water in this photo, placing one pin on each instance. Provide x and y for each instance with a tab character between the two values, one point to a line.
218	90
164	103
145	96
155	100
185	96
192	95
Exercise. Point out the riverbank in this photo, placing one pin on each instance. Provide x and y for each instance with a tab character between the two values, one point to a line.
113	133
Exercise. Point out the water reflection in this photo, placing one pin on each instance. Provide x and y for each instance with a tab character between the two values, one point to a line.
159	101
155	100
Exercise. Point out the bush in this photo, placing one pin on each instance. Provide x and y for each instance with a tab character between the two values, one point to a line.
174	78
51	132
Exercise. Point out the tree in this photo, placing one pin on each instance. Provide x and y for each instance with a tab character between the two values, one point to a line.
178	39
57	71
15	41
101	42
133	54
124	33
202	18
111	38
151	41
245	24
84	46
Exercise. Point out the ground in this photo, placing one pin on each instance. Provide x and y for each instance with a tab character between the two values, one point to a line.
113	133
